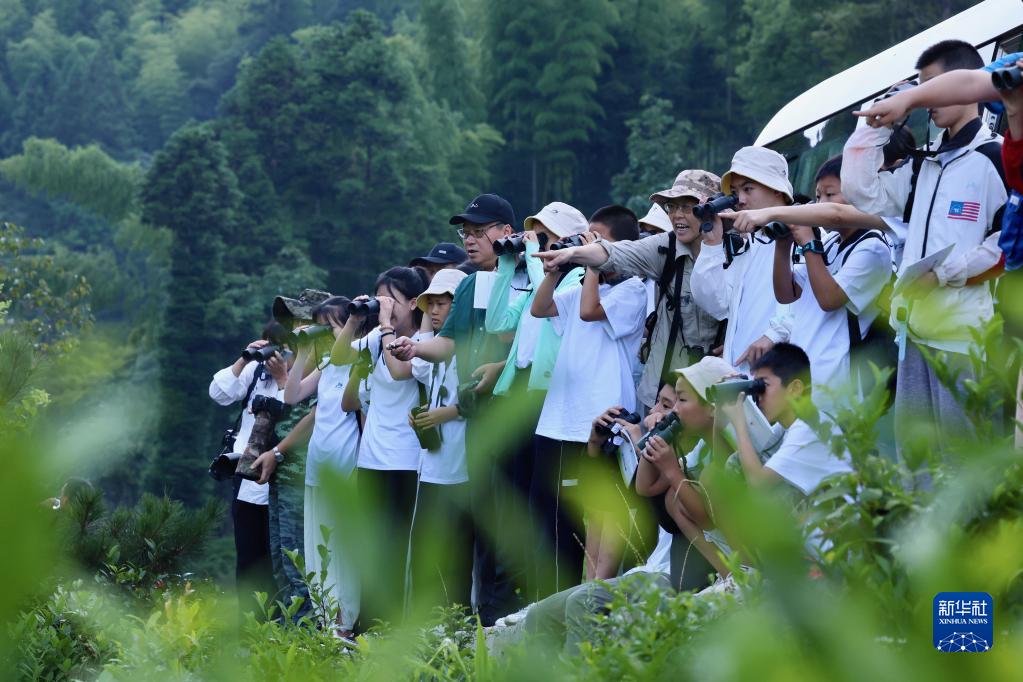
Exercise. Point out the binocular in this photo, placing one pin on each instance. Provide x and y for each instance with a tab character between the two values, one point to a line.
468	399
516	244
776	230
566	243
260	354
1007	79
615	428
313	332
669	427
429	438
706	211
370	306
728	391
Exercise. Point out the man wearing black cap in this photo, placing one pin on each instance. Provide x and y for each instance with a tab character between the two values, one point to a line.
481	356
442	256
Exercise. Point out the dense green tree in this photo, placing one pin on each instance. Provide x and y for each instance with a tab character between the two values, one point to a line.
191	191
568	84
65	90
451	64
84	175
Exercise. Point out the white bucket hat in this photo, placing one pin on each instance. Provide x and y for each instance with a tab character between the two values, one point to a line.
444	282
656	219
708	371
560	218
762	165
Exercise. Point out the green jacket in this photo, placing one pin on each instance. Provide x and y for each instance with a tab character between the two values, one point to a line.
503	317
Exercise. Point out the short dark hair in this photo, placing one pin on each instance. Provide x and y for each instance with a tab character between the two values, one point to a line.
467	267
786	361
276	333
623	223
950	55
832	168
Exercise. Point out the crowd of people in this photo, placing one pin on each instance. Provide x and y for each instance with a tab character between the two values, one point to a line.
557	404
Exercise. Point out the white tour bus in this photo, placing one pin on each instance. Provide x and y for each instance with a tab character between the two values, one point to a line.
814	126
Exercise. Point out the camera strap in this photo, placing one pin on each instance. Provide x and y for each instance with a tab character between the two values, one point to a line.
248	394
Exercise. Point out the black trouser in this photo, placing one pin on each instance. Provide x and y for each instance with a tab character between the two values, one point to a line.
560	538
497	444
253	572
441	547
689	569
386	499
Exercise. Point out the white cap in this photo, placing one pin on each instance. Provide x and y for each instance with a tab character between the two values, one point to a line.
762	165
560	218
657	219
444	282
708	371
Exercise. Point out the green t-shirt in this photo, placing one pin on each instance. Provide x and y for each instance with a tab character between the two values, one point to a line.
466	326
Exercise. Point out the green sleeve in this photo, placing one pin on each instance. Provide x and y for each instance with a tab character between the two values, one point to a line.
501	317
459	320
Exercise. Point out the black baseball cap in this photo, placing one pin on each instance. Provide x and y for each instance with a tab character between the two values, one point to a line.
444	253
486	208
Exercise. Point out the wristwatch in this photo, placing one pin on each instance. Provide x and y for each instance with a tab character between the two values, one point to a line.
812	246
278	455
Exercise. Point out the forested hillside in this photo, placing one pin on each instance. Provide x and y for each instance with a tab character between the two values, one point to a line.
191	159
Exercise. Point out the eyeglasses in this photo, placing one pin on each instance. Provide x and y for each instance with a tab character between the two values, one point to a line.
670	207
476	233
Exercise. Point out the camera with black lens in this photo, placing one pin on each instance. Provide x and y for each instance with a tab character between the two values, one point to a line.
223	465
516	243
776	230
667	428
1008	78
735	245
728	391
707	210
267	411
363	365
429	438
370	306
615	428
566	243
313	333
468	398
261	354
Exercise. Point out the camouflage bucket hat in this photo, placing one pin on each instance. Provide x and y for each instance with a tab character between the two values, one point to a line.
698	184
300	308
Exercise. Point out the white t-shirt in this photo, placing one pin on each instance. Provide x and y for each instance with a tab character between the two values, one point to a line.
757	304
897	231
447	465
388	442
804	460
335	439
529	333
594	367
226	388
862	273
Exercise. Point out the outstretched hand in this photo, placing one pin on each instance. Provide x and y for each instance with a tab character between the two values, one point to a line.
403	348
552	260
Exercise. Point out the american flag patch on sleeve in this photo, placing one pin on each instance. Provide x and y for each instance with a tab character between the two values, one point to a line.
964	210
